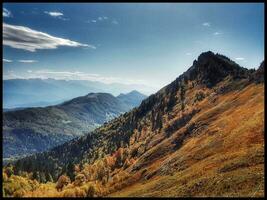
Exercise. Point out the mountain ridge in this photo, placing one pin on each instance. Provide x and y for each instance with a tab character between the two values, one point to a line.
58	123
186	124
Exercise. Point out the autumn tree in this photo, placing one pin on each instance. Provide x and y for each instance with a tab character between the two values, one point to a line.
119	157
5	178
79	179
91	191
62	181
9	171
126	164
100	170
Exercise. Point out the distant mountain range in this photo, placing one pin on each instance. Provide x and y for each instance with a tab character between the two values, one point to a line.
133	98
46	92
32	130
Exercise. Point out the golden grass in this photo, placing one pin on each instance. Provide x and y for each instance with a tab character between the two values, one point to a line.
226	158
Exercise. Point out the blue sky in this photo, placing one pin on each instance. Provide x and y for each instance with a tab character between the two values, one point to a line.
148	44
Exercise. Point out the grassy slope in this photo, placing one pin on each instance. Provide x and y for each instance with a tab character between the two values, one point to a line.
223	155
225	158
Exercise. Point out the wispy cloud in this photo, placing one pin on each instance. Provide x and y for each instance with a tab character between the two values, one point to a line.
21	37
114	21
56	14
10	74
7	60
217	33
207	24
6	13
101	19
139	84
27	61
71	75
240	58
188	54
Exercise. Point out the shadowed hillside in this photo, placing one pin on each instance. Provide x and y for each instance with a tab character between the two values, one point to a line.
32	130
201	135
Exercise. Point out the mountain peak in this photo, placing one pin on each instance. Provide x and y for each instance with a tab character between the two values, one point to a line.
211	68
89	98
206	54
134	92
133	98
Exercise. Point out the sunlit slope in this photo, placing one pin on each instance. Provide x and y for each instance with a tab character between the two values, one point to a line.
223	156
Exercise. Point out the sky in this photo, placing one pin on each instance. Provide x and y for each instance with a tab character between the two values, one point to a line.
131	43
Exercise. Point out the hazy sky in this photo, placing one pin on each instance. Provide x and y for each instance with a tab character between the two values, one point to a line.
149	44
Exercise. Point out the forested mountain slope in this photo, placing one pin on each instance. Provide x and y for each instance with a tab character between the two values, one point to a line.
201	135
32	130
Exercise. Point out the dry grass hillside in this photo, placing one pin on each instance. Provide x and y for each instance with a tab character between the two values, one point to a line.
223	156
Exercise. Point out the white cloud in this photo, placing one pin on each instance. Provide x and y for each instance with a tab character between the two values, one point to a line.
114	21
6	13
188	54
141	85
97	19
217	33
28	61
21	37
71	75
206	24
11	75
54	14
76	75
7	60
240	58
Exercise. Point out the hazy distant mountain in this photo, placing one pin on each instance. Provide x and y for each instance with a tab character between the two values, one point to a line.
45	92
133	98
32	130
